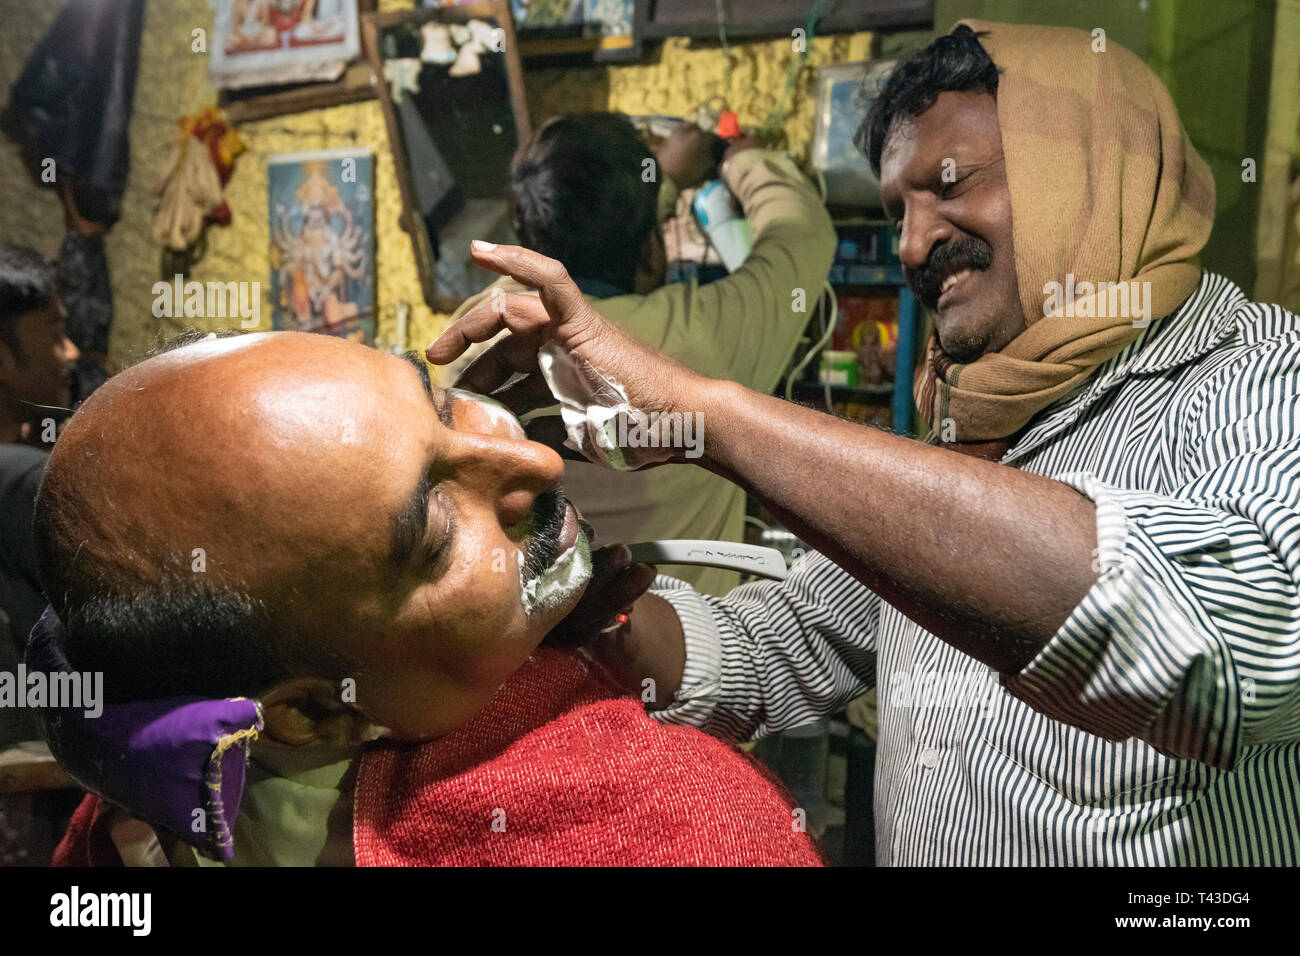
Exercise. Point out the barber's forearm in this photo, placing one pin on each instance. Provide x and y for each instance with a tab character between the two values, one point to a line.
987	557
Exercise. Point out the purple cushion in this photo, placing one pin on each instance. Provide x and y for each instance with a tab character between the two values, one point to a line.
177	764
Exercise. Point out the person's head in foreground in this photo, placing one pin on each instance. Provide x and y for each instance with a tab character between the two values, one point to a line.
272	514
276	515
581	194
35	354
1025	165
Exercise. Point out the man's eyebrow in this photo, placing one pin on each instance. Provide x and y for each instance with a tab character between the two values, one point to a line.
439	401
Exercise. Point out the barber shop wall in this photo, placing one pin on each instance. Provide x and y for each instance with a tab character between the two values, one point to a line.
671	79
678	75
172	83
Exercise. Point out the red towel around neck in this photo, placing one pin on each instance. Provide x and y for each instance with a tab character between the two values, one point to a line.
561	770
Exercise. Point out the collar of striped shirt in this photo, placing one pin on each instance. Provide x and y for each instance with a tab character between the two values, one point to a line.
1181	337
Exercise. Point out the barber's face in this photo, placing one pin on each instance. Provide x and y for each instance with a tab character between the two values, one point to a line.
956	243
37	378
411	530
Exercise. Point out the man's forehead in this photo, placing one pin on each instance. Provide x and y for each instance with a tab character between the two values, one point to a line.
956	122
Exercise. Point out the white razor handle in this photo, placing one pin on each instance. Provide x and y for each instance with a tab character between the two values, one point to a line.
747	558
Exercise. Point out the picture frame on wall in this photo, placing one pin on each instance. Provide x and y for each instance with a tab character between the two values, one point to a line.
316	61
603	29
321	211
840	90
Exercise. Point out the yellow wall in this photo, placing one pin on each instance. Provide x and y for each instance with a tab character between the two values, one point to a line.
172	83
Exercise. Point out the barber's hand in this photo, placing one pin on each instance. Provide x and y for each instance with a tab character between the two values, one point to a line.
558	315
739	144
688	155
615	584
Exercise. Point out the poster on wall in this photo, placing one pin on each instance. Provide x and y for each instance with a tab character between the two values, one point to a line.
567	17
271	42
321	208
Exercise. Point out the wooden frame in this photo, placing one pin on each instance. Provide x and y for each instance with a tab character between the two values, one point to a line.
572	47
371	24
262	102
697	19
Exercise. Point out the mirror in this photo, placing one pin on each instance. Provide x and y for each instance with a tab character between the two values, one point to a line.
451	86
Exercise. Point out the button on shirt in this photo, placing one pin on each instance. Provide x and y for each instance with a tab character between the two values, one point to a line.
1161	724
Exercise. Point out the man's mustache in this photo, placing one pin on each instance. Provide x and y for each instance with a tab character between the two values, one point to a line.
969	253
543	543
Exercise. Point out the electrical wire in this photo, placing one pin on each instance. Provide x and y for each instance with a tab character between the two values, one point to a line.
726	52
776	119
827	329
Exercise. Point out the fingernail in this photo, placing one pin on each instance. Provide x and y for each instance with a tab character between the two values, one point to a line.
481	246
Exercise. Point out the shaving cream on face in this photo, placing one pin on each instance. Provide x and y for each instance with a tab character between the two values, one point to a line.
568	575
495	412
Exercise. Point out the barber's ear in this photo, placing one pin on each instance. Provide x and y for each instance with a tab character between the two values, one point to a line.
303	711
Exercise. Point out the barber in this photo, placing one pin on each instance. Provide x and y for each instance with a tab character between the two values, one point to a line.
1108	572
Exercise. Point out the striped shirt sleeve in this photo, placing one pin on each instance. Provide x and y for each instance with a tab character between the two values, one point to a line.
1190	638
774	655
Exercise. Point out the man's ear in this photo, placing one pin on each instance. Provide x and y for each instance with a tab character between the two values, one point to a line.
302	711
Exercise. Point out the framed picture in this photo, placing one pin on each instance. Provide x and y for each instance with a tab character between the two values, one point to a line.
604	29
272	57
321	208
840	109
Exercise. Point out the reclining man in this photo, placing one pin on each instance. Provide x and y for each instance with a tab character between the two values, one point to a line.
581	195
307	521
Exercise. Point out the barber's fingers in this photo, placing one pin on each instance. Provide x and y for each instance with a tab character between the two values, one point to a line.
558	292
523	314
497	364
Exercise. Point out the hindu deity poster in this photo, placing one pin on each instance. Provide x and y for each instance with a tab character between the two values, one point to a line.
321	208
267	42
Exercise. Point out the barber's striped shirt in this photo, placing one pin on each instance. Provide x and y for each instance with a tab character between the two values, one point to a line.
1161	724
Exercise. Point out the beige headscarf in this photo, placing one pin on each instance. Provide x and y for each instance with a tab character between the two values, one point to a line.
1105	186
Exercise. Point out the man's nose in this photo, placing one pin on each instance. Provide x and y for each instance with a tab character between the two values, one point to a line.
511	472
70	351
921	230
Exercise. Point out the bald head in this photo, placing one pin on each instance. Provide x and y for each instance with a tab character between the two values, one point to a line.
161	496
246	510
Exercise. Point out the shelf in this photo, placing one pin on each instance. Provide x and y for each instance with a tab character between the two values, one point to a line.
860	275
850	390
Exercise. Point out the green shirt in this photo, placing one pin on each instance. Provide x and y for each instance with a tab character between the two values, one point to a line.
296	809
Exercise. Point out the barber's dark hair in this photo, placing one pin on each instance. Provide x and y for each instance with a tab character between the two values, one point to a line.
954	63
165	632
26	284
580	195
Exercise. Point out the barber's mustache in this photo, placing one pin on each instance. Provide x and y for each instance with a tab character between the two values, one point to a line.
966	253
543	544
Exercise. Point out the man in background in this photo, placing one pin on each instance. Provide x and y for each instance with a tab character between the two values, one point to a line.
35	356
588	192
